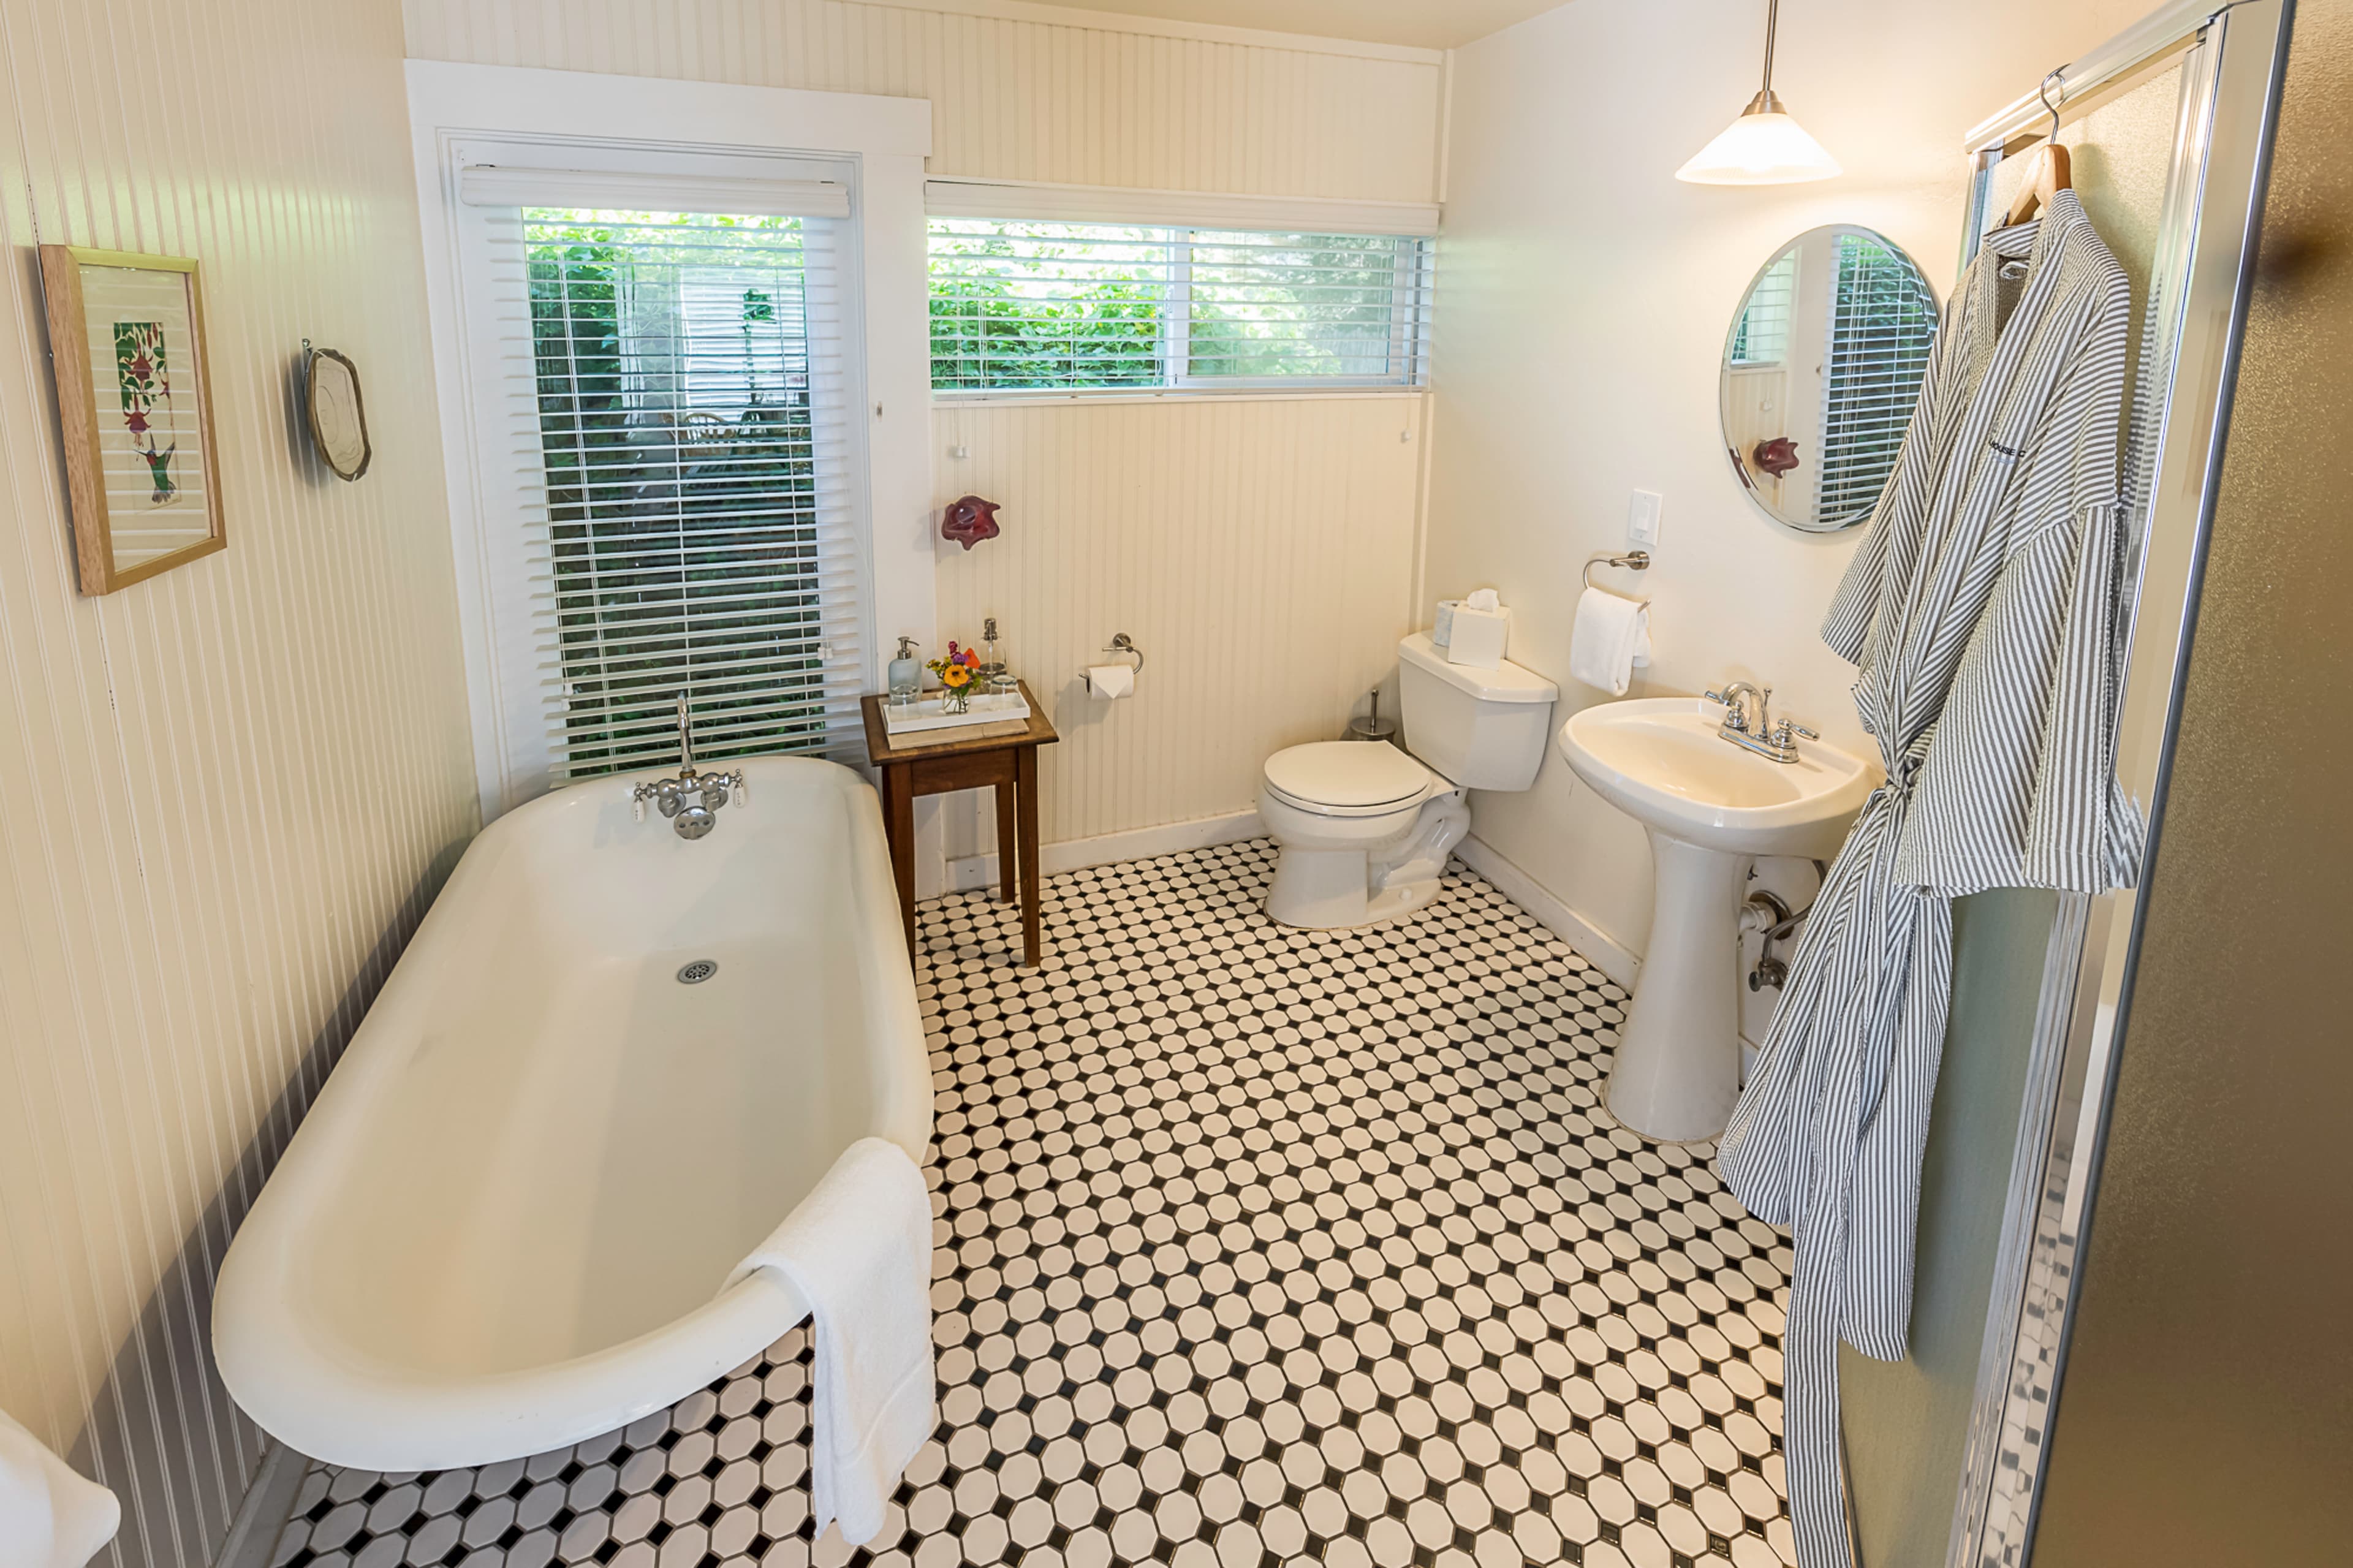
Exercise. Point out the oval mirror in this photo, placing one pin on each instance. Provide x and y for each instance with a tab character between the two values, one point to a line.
1821	368
337	417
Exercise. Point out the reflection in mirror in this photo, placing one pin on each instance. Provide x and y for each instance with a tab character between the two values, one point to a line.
1821	368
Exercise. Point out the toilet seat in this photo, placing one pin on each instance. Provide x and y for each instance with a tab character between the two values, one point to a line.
1349	778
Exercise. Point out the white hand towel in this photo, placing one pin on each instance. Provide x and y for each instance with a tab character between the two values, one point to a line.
1611	636
858	1248
49	1516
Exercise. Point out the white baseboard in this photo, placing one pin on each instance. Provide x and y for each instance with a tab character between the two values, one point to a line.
1605	952
971	872
261	1517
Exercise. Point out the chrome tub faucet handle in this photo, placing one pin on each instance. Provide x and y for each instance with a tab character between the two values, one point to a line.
692	800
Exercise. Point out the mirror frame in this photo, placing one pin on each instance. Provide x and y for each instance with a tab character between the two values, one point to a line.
1724	361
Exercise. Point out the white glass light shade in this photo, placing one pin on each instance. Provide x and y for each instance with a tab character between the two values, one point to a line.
1763	148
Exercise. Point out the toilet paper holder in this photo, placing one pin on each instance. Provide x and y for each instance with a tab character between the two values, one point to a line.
1121	643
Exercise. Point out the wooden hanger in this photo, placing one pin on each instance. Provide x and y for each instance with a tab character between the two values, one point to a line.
2051	174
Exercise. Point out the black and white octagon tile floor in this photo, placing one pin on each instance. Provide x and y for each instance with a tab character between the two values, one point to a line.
1257	1248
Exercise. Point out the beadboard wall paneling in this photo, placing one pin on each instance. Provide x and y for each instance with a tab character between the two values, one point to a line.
1260	551
231	790
1014	98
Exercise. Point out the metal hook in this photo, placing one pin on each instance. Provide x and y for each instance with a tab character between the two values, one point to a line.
2057	74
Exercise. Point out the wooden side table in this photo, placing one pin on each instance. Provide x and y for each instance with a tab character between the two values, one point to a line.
1007	764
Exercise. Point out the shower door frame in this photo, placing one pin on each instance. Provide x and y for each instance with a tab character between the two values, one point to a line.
2231	59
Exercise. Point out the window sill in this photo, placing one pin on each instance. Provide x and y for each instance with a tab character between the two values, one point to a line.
1259	394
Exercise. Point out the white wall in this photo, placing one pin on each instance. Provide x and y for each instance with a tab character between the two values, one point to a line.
1259	508
1029	92
1260	552
1583	296
230	790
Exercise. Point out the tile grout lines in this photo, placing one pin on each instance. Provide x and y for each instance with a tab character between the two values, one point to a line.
1257	1248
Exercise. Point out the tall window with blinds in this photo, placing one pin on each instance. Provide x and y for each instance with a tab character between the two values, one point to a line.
1883	327
1761	336
698	536
1053	306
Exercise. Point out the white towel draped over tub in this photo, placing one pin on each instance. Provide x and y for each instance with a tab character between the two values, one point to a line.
49	1516
1983	610
859	1249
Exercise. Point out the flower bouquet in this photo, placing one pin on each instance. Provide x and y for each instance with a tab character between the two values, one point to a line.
959	673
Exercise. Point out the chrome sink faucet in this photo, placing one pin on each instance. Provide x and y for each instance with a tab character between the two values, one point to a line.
1778	742
691	801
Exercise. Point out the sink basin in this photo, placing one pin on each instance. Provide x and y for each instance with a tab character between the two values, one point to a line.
1710	808
1660	761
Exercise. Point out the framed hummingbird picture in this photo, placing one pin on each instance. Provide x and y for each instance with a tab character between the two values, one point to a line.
134	400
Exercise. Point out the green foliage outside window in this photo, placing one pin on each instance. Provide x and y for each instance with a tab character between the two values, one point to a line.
683	534
1068	306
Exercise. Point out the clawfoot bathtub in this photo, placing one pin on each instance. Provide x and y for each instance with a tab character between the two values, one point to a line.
504	1225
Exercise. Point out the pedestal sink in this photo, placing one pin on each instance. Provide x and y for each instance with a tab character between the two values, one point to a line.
1710	808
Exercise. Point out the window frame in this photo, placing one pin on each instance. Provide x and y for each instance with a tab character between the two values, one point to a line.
1188	213
573	122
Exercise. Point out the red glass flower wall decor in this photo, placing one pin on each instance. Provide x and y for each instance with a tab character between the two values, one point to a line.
969	521
1777	456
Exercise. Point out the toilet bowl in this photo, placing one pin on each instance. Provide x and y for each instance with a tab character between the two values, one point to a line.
1364	829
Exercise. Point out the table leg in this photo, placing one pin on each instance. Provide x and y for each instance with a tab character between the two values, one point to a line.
899	816
1033	893
1008	860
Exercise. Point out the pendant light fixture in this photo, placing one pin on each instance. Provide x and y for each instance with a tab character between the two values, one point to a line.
1764	146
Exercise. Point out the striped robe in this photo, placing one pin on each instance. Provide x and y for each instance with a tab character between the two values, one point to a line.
1983	611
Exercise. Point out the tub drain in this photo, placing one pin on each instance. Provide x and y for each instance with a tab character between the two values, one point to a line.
696	972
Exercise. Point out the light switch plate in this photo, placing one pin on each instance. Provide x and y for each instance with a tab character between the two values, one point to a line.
1643	520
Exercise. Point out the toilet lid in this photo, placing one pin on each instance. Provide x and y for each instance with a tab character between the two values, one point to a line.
1346	774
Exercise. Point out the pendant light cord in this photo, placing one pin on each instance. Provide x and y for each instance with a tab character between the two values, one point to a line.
1772	21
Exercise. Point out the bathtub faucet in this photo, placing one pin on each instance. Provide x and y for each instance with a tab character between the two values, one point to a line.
691	801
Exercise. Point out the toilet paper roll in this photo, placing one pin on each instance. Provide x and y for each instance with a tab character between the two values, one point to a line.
1110	680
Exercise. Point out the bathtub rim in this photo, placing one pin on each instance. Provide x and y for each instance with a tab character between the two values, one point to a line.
329	1399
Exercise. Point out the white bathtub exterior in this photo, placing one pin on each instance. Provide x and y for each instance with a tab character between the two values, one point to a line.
504	1226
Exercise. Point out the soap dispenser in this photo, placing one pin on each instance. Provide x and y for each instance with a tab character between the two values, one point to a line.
906	676
998	683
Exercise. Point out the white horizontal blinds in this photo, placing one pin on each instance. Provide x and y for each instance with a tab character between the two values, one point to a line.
687	425
1048	304
527	186
1327	306
1763	335
1019	304
1883	326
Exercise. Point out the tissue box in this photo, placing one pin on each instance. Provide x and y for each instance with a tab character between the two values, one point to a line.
1479	637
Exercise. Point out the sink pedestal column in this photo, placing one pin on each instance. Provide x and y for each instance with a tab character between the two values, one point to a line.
1677	1070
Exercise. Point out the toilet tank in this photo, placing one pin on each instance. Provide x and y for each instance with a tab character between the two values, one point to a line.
1484	728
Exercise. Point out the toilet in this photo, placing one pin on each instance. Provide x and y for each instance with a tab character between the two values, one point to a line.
1363	829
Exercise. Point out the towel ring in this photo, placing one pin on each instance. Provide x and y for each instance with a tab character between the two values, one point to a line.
1633	560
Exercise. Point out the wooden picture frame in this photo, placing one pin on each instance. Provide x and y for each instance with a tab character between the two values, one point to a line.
134	405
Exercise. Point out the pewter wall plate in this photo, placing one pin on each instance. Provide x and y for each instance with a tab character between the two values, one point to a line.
338	416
